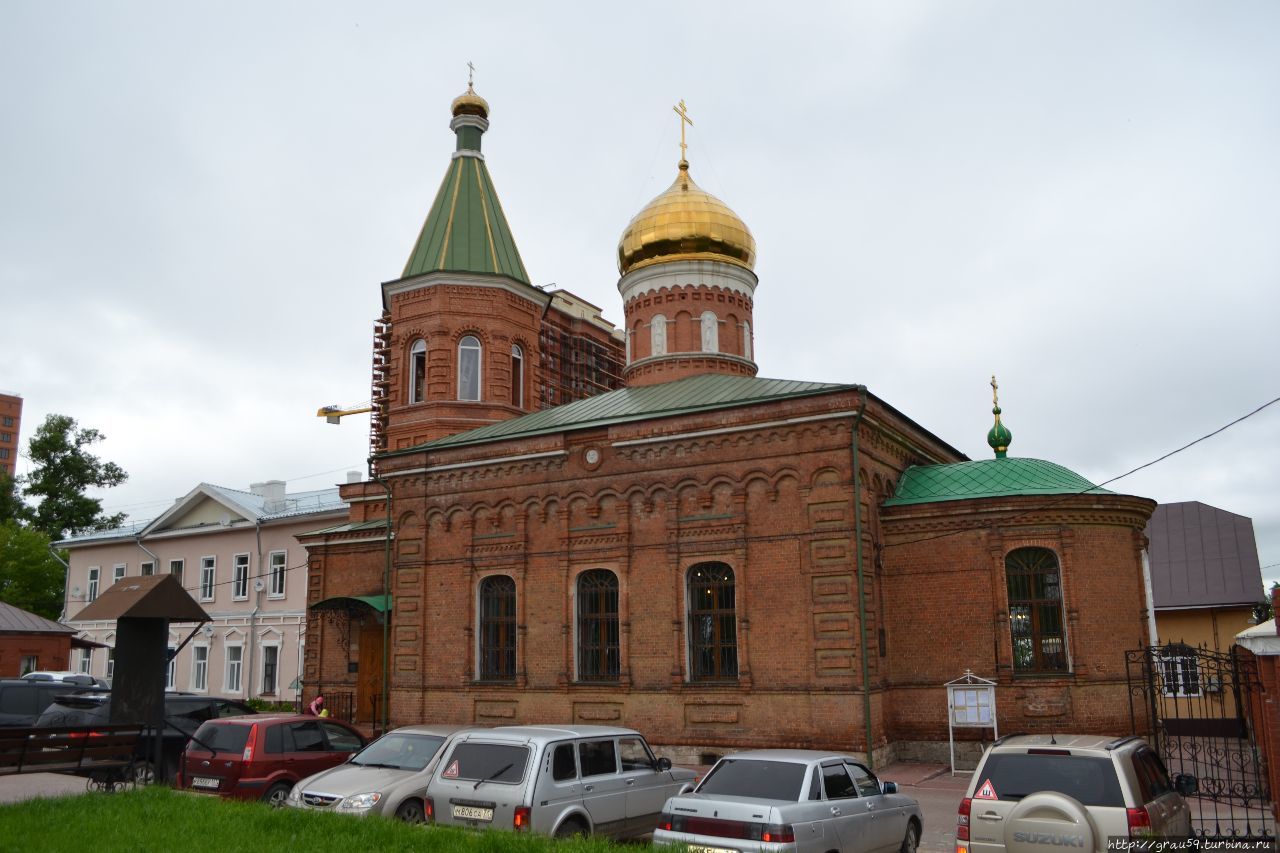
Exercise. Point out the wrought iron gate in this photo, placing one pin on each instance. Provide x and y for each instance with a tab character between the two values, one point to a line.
1198	707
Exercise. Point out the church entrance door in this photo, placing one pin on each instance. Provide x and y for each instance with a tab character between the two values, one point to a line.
369	674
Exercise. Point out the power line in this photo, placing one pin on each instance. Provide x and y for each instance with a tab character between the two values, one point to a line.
1050	505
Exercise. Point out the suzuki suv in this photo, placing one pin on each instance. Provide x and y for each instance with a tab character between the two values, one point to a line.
1032	792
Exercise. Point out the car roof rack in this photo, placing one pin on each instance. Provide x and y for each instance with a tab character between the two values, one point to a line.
1120	741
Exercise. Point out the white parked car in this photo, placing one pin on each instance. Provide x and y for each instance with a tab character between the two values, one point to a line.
773	800
554	780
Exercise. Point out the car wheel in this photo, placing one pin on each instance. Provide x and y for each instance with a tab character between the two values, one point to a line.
410	811
912	840
570	828
276	794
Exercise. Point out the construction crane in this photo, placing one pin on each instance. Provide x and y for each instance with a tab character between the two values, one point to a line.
335	413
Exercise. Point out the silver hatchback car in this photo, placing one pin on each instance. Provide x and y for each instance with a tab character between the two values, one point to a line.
387	777
773	800
554	780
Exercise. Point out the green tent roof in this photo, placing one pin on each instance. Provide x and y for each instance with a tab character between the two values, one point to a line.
694	394
989	478
465	230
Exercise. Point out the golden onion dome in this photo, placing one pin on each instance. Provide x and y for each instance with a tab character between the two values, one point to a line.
470	104
685	223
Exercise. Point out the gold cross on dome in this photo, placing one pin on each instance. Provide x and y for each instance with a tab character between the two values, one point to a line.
995	399
471	75
683	112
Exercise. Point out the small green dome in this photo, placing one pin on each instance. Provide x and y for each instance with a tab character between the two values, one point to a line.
999	437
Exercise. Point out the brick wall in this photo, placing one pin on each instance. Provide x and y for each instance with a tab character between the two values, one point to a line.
53	652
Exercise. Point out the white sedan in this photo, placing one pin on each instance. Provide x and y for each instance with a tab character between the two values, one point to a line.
791	800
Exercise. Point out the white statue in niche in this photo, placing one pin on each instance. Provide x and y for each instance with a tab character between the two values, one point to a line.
659	331
710	332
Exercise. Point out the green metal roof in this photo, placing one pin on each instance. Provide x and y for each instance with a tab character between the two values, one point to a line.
381	603
684	396
349	527
989	478
465	230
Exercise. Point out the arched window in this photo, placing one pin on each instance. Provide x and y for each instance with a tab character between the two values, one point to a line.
658	332
713	623
746	339
418	371
517	376
710	332
1035	611
469	368
627	341
598	656
497	628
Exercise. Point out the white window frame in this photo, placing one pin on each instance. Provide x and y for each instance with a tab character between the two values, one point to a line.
517	376
91	588
86	661
29	663
111	663
262	687
418	369
1185	680
240	577
471	345
277	574
147	569
208	578
710	332
181	565
237	665
118	571
658	335
199	668
171	669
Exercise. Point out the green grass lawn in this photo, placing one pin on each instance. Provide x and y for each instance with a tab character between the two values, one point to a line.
160	819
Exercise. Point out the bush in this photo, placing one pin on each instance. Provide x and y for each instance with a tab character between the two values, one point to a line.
262	706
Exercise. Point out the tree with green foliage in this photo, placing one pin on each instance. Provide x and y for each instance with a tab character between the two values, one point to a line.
30	576
11	506
63	469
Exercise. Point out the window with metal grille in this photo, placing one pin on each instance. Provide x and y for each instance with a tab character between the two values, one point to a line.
497	628
1179	670
598	656
1035	611
713	623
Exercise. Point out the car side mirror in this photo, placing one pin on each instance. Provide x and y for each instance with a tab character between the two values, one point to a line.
1186	784
662	765
889	787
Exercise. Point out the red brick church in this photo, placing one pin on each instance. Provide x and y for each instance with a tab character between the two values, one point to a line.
570	522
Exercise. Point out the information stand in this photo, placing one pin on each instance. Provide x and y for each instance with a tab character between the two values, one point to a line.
971	704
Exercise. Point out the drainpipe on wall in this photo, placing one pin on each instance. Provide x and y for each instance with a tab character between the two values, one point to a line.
862	597
1152	636
66	585
258	583
385	698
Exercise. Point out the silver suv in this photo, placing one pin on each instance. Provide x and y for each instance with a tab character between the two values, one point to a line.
561	781
1032	793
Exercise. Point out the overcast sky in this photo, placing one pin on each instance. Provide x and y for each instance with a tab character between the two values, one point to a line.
198	202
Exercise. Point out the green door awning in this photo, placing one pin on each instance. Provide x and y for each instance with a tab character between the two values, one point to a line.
380	603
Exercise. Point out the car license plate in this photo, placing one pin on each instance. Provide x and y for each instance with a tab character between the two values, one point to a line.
703	848
472	813
204	782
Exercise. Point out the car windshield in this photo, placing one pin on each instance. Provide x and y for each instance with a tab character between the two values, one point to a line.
220	737
486	762
765	780
1014	775
401	751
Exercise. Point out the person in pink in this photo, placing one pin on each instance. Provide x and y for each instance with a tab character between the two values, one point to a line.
317	708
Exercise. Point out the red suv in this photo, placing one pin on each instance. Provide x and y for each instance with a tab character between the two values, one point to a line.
262	757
